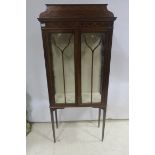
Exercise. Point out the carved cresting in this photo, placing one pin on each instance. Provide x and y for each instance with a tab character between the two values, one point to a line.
57	16
70	11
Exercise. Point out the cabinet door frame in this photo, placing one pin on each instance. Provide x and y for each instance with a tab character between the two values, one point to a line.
92	69
49	65
105	69
77	64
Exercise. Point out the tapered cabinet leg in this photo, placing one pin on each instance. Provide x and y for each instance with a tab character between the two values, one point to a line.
103	125
99	116
56	118
52	120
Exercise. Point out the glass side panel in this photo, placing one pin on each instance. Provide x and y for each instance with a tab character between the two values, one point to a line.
91	60
63	67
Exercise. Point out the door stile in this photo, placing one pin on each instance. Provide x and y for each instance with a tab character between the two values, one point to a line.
77	60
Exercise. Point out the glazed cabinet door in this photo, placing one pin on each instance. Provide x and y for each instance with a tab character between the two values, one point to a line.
62	50
92	56
76	68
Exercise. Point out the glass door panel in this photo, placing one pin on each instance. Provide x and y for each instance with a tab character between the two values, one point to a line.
63	67
91	63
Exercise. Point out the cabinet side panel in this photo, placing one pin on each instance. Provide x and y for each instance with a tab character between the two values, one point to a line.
48	65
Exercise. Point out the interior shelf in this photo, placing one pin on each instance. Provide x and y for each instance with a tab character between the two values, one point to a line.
70	98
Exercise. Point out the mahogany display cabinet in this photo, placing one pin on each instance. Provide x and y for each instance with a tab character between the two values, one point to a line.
77	42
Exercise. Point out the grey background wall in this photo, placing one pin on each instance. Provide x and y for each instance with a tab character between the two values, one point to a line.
37	95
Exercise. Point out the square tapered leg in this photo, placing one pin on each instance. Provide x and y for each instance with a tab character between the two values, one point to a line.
53	128
56	118
99	116
103	125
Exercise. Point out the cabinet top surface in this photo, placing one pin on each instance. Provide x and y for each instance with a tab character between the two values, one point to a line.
76	12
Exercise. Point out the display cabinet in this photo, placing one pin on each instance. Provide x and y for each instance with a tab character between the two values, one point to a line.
77	42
